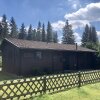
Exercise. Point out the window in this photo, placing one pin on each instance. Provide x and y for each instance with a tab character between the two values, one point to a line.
38	55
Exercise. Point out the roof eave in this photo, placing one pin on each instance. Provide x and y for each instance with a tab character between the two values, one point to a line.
56	50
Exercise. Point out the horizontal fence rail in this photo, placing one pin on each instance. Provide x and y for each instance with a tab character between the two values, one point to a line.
29	87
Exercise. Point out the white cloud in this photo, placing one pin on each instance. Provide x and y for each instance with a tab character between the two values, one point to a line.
81	17
90	13
77	38
75	24
78	23
98	33
58	25
60	39
27	27
0	19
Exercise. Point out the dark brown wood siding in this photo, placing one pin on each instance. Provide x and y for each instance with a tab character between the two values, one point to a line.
10	58
30	61
78	60
49	61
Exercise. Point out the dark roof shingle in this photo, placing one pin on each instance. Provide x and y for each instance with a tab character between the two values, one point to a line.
46	46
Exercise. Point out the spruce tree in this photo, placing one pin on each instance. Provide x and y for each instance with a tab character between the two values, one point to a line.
22	34
55	37
5	27
38	33
43	33
89	36
14	31
68	37
34	34
94	35
85	36
30	33
1	28
49	33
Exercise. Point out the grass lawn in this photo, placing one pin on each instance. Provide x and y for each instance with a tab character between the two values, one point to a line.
88	92
0	63
6	76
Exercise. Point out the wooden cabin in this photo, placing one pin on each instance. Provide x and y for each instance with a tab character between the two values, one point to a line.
23	57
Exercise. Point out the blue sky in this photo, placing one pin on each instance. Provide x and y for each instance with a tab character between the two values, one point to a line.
79	13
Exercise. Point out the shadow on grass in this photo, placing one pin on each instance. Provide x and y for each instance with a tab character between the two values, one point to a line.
6	76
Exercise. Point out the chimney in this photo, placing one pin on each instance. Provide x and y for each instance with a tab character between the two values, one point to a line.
76	45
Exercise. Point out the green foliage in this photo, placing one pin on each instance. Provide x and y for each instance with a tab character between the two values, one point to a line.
0	61
89	36
4	27
14	31
91	45
68	37
1	29
85	35
22	34
98	49
43	33
93	35
38	33
49	33
55	37
34	34
30	33
94	46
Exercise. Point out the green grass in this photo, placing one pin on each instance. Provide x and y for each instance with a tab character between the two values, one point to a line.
88	92
0	61
6	76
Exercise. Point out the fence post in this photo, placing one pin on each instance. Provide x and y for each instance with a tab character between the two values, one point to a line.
79	77
44	84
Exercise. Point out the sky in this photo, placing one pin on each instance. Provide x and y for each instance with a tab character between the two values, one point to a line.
78	12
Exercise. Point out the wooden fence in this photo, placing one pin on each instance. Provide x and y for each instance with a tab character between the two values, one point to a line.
28	87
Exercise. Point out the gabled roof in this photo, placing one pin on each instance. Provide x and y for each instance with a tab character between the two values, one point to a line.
26	44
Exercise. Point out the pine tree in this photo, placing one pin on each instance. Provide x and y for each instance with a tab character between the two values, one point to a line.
30	33
22	34
38	34
85	36
49	33
14	31
68	37
5	27
89	36
1	27
55	37
94	35
43	33
34	34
